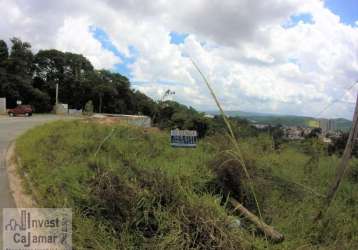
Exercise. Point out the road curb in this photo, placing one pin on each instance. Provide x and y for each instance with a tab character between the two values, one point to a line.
16	182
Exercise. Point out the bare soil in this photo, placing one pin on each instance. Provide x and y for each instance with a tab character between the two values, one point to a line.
21	197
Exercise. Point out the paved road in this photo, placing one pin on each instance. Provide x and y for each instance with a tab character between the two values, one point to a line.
10	128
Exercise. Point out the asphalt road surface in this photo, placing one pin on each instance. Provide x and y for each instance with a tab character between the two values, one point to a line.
10	128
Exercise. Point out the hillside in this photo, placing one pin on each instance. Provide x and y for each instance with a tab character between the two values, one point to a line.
288	120
136	192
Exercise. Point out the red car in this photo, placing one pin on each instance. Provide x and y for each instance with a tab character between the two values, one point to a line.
20	110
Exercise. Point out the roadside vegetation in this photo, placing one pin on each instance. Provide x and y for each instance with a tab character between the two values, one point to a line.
136	193
133	191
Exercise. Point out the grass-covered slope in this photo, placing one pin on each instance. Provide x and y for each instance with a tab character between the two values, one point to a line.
290	184
136	193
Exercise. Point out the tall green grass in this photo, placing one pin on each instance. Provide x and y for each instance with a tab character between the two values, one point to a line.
235	152
138	191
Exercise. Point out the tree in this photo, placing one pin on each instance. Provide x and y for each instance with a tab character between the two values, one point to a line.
33	79
49	70
277	135
19	68
4	56
144	104
4	52
88	109
21	58
104	90
338	144
77	85
72	72
315	133
112	92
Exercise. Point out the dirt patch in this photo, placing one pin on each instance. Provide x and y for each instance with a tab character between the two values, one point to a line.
22	199
104	120
152	130
108	120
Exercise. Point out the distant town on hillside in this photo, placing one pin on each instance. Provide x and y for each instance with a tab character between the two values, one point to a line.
286	120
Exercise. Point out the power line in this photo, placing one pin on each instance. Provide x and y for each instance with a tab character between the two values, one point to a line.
336	100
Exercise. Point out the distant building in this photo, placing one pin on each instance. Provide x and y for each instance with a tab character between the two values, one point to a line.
334	134
326	140
294	133
327	125
61	109
306	131
209	116
261	126
2	105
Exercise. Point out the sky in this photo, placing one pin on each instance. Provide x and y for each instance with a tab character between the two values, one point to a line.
274	56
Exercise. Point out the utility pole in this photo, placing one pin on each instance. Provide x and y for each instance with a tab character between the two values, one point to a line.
56	94
100	103
342	165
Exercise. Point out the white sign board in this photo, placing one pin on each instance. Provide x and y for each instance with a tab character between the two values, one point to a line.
183	138
2	105
18	102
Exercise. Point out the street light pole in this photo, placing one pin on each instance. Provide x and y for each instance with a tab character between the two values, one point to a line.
56	94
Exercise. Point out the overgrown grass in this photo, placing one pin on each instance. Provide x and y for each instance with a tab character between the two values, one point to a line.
139	193
291	183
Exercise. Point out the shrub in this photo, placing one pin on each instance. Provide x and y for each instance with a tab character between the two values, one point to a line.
88	110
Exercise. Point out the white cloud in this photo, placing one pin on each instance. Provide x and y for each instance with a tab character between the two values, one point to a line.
75	36
253	62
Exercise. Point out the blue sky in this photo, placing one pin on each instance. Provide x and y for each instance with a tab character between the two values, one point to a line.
106	43
346	9
306	18
123	68
177	38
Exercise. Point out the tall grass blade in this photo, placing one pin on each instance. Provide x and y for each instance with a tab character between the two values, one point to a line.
236	154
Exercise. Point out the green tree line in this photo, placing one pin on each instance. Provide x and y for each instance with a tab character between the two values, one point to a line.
32	78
